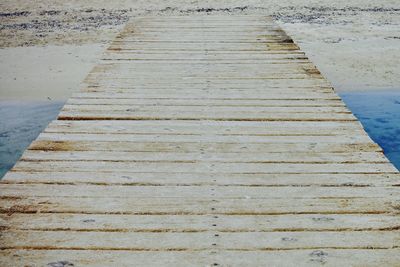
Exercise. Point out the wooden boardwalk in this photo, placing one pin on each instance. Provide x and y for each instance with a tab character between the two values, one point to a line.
202	141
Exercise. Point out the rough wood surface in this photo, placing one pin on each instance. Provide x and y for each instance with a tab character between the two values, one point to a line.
202	141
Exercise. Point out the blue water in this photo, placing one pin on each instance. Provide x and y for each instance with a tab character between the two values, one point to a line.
20	124
379	112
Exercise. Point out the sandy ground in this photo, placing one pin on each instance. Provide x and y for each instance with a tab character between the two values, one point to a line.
49	46
45	73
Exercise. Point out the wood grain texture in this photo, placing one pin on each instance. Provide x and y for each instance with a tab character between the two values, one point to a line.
202	141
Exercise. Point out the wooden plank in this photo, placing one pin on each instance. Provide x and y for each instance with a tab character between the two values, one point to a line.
124	68
208	57
189	82
179	146
199	241
305	257
199	223
367	157
125	48
78	100
216	47
198	206
207	192
203	167
165	90
203	127
234	110
184	179
209	95
241	139
136	114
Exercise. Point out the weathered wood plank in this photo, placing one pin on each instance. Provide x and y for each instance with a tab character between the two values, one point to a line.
304	257
360	157
136	114
193	81
124	69
204	167
203	127
199	241
273	58
209	95
199	223
207	192
199	206
183	179
240	139
207	110
179	146
78	100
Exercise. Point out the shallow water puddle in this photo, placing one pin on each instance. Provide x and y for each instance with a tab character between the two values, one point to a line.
20	123
379	112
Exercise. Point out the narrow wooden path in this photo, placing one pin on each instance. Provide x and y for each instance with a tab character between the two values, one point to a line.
202	141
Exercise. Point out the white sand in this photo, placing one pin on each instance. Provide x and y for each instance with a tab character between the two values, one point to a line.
362	61
355	43
41	73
